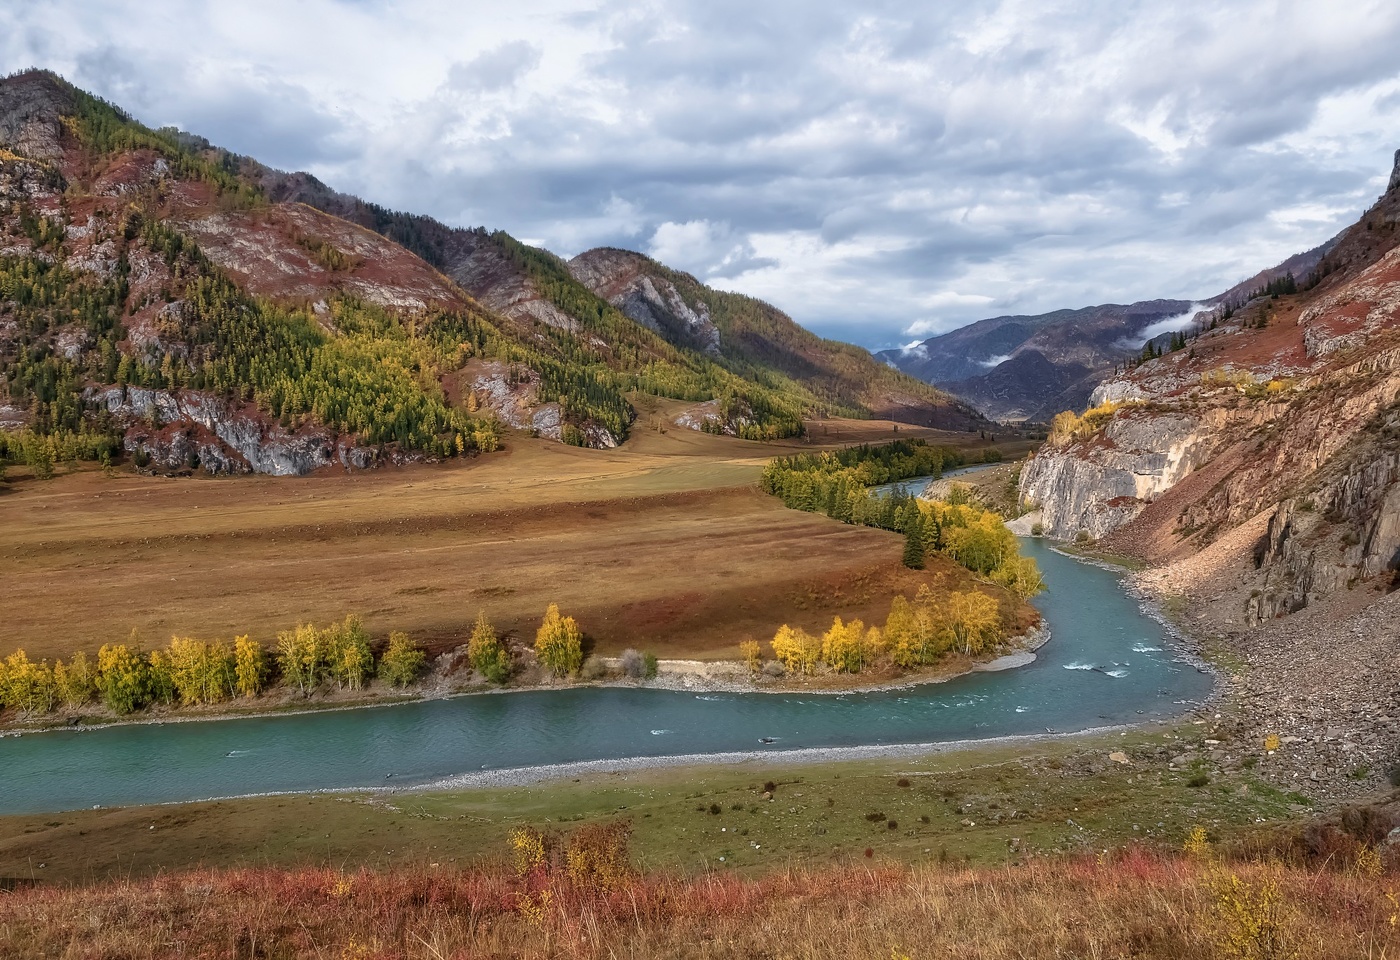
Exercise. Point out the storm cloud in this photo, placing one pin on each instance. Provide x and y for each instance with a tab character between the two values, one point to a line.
881	171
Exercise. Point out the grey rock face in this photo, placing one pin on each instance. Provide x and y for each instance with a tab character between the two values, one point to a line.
263	448
629	282
1099	484
657	304
29	116
1395	174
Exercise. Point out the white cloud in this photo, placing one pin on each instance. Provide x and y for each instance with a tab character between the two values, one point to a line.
1182	321
879	171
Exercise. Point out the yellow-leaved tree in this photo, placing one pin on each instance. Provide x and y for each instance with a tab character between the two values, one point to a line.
559	643
123	677
27	685
250	666
487	655
975	621
76	680
402	662
843	646
797	649
752	654
347	652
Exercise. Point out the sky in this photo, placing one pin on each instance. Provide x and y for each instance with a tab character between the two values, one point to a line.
882	171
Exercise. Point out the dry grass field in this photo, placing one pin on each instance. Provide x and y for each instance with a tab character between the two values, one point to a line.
664	544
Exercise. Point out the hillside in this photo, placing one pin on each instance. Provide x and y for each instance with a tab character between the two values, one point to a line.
1257	467
165	299
757	341
1032	367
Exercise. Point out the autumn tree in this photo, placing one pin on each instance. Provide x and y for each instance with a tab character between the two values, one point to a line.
27	685
1020	574
488	656
250	666
797	649
301	657
123	677
843	646
402	662
559	643
348	657
752	654
974	620
202	671
76	680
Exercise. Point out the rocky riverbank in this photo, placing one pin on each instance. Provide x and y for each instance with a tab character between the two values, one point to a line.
1324	681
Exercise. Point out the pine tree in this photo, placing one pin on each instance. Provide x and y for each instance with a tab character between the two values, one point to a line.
914	546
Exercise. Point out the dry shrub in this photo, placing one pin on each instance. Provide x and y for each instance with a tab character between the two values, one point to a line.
578	897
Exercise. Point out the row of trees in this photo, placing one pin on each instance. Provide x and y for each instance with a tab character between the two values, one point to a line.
915	634
836	484
125	678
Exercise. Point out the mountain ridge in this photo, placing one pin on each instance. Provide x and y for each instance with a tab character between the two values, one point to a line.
1030	367
250	317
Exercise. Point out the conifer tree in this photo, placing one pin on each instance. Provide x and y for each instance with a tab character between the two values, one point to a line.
914	546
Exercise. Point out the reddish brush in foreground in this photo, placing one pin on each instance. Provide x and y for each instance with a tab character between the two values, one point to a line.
581	899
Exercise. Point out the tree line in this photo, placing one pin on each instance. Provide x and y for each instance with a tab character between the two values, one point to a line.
836	483
915	634
126	678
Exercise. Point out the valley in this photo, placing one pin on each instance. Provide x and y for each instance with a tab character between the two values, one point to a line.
1152	642
663	545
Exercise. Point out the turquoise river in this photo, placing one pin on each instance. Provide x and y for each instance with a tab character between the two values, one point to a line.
1106	663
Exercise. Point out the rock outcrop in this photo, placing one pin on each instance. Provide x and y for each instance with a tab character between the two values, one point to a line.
187	428
621	278
1101	484
1287	417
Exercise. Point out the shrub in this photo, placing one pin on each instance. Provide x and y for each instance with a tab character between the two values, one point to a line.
650	665
633	665
1037	529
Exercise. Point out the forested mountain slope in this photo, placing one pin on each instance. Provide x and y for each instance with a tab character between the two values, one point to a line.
759	342
164	298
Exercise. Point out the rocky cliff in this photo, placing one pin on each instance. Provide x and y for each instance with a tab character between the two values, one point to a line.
1284	420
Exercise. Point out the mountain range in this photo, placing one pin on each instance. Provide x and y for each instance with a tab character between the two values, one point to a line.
168	299
1029	368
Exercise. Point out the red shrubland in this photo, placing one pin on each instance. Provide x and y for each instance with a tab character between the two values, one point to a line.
580	898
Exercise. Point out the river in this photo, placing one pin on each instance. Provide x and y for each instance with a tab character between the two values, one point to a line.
1106	663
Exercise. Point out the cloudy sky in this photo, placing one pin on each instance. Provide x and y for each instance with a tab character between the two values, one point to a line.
882	171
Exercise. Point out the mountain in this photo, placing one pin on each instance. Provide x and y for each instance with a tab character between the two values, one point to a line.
165	298
1032	367
758	341
1265	450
